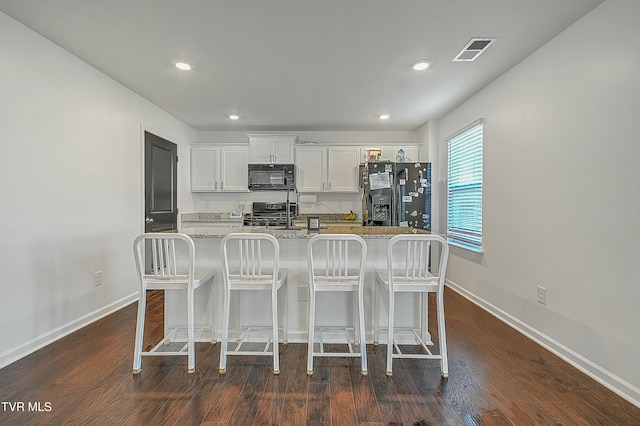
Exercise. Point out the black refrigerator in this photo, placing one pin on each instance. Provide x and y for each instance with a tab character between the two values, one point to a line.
396	194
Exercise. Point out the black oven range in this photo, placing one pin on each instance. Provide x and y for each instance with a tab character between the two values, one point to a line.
270	214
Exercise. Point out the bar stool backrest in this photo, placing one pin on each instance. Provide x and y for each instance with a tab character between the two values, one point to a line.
169	261
410	257
251	256
337	256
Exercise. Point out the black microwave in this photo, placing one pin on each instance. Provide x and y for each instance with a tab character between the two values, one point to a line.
271	177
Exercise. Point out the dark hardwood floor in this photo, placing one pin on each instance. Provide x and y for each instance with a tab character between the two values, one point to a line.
497	377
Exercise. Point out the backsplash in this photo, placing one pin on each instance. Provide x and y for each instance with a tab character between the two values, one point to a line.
329	218
189	220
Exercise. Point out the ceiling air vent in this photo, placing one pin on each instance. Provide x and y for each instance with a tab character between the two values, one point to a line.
473	49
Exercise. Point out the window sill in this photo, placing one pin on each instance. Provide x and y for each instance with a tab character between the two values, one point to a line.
465	247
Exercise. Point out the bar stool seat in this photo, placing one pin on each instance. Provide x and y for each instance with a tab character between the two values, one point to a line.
172	267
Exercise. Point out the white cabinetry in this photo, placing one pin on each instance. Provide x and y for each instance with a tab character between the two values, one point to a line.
343	169
311	169
233	169
327	169
219	168
411	153
268	149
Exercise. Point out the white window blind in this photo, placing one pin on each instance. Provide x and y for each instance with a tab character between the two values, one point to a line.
464	206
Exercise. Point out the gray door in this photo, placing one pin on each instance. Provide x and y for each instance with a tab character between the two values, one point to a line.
161	184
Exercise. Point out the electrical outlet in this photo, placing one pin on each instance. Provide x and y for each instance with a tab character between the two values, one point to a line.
97	278
542	295
303	293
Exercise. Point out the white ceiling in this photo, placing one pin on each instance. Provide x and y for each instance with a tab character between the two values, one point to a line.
299	64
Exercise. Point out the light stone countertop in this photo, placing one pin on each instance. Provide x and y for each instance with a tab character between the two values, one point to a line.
366	232
209	217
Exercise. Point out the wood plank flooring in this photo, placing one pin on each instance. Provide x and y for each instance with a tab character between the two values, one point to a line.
496	377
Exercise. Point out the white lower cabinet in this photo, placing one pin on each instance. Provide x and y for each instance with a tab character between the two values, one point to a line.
327	169
219	168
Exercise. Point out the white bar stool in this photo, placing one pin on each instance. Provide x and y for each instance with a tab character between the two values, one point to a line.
172	268
251	263
408	271
336	263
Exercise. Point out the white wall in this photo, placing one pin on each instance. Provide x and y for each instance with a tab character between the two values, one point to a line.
70	184
561	196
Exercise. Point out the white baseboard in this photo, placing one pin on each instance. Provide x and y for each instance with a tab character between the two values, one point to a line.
12	355
606	378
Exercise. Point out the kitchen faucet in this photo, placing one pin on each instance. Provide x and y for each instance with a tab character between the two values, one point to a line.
288	206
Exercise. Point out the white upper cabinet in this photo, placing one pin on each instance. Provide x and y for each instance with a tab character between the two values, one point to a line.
270	149
343	169
219	168
233	165
411	152
327	169
311	168
205	168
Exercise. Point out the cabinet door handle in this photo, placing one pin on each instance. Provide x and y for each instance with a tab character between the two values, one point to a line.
323	186
216	187
221	185
329	186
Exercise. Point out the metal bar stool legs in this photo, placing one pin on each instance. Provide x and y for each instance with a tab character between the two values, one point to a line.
172	268
251	263
336	263
409	270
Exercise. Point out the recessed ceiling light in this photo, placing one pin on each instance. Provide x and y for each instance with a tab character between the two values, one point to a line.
420	65
384	116
183	66
234	117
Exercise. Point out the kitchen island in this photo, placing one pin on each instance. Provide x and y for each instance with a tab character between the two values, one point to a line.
332	309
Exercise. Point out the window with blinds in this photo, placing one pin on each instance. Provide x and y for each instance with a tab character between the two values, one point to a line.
464	184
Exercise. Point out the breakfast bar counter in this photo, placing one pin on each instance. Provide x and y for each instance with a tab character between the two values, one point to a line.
293	257
366	232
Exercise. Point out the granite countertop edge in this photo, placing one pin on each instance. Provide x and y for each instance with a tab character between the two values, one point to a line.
371	233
